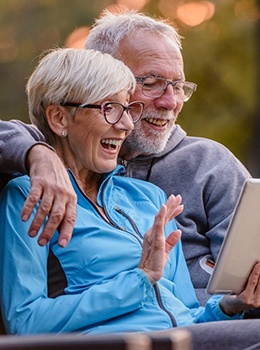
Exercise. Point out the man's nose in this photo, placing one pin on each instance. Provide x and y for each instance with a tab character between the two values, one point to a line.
168	99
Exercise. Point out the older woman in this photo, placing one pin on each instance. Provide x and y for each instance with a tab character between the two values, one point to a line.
124	269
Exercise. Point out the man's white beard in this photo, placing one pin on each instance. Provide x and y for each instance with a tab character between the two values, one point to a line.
149	141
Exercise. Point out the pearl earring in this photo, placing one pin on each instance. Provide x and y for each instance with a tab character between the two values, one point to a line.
63	133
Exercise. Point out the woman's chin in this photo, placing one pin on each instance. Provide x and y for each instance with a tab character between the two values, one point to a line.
108	166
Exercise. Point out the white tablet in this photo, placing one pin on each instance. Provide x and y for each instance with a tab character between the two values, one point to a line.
240	250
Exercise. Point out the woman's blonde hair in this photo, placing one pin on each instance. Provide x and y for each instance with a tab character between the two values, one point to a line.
74	75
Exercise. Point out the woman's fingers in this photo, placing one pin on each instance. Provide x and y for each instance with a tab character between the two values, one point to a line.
172	240
174	206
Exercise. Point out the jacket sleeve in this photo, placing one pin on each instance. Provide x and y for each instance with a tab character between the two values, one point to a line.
185	292
25	305
16	139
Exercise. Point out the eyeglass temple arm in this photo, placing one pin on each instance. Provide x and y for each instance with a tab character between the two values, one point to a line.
79	105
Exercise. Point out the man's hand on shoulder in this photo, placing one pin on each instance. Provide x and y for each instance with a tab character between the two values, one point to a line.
50	183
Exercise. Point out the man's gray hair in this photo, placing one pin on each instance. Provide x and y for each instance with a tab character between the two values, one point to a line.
109	30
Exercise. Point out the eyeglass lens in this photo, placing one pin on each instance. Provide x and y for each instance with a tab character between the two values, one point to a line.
155	87
113	111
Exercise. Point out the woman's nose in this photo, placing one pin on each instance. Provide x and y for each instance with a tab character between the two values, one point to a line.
125	123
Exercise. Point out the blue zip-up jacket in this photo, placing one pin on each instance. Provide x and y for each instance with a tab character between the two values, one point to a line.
94	284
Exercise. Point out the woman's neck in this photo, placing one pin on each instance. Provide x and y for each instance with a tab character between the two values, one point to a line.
87	180
90	188
88	184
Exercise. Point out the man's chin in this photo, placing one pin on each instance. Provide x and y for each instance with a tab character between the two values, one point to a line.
145	140
144	148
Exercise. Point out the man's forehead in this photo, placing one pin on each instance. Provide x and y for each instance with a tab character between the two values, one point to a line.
147	40
150	48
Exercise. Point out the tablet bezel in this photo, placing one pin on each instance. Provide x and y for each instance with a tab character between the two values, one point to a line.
240	250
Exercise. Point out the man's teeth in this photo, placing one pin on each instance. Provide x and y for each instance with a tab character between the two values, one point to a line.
157	122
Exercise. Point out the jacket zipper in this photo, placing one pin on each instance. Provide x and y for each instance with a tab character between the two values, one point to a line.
160	303
155	286
120	211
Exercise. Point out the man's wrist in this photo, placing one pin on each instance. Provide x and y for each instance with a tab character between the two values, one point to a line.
228	305
33	153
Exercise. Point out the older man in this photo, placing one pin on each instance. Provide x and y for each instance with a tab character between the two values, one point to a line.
206	174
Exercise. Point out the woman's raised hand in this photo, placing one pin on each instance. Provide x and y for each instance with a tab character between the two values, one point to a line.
156	248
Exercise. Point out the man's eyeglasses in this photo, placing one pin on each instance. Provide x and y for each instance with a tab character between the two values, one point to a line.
154	87
113	111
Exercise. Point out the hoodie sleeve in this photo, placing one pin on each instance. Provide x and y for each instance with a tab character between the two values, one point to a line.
16	139
185	292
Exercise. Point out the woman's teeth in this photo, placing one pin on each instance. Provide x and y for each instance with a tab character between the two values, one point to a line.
108	143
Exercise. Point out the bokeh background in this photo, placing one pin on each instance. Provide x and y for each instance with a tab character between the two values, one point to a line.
220	48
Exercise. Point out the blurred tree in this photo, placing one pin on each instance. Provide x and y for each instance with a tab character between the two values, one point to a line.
220	55
26	29
253	154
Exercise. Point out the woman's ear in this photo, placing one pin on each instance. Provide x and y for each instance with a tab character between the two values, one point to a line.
57	119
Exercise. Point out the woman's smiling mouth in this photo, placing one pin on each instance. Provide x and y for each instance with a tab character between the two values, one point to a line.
111	144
